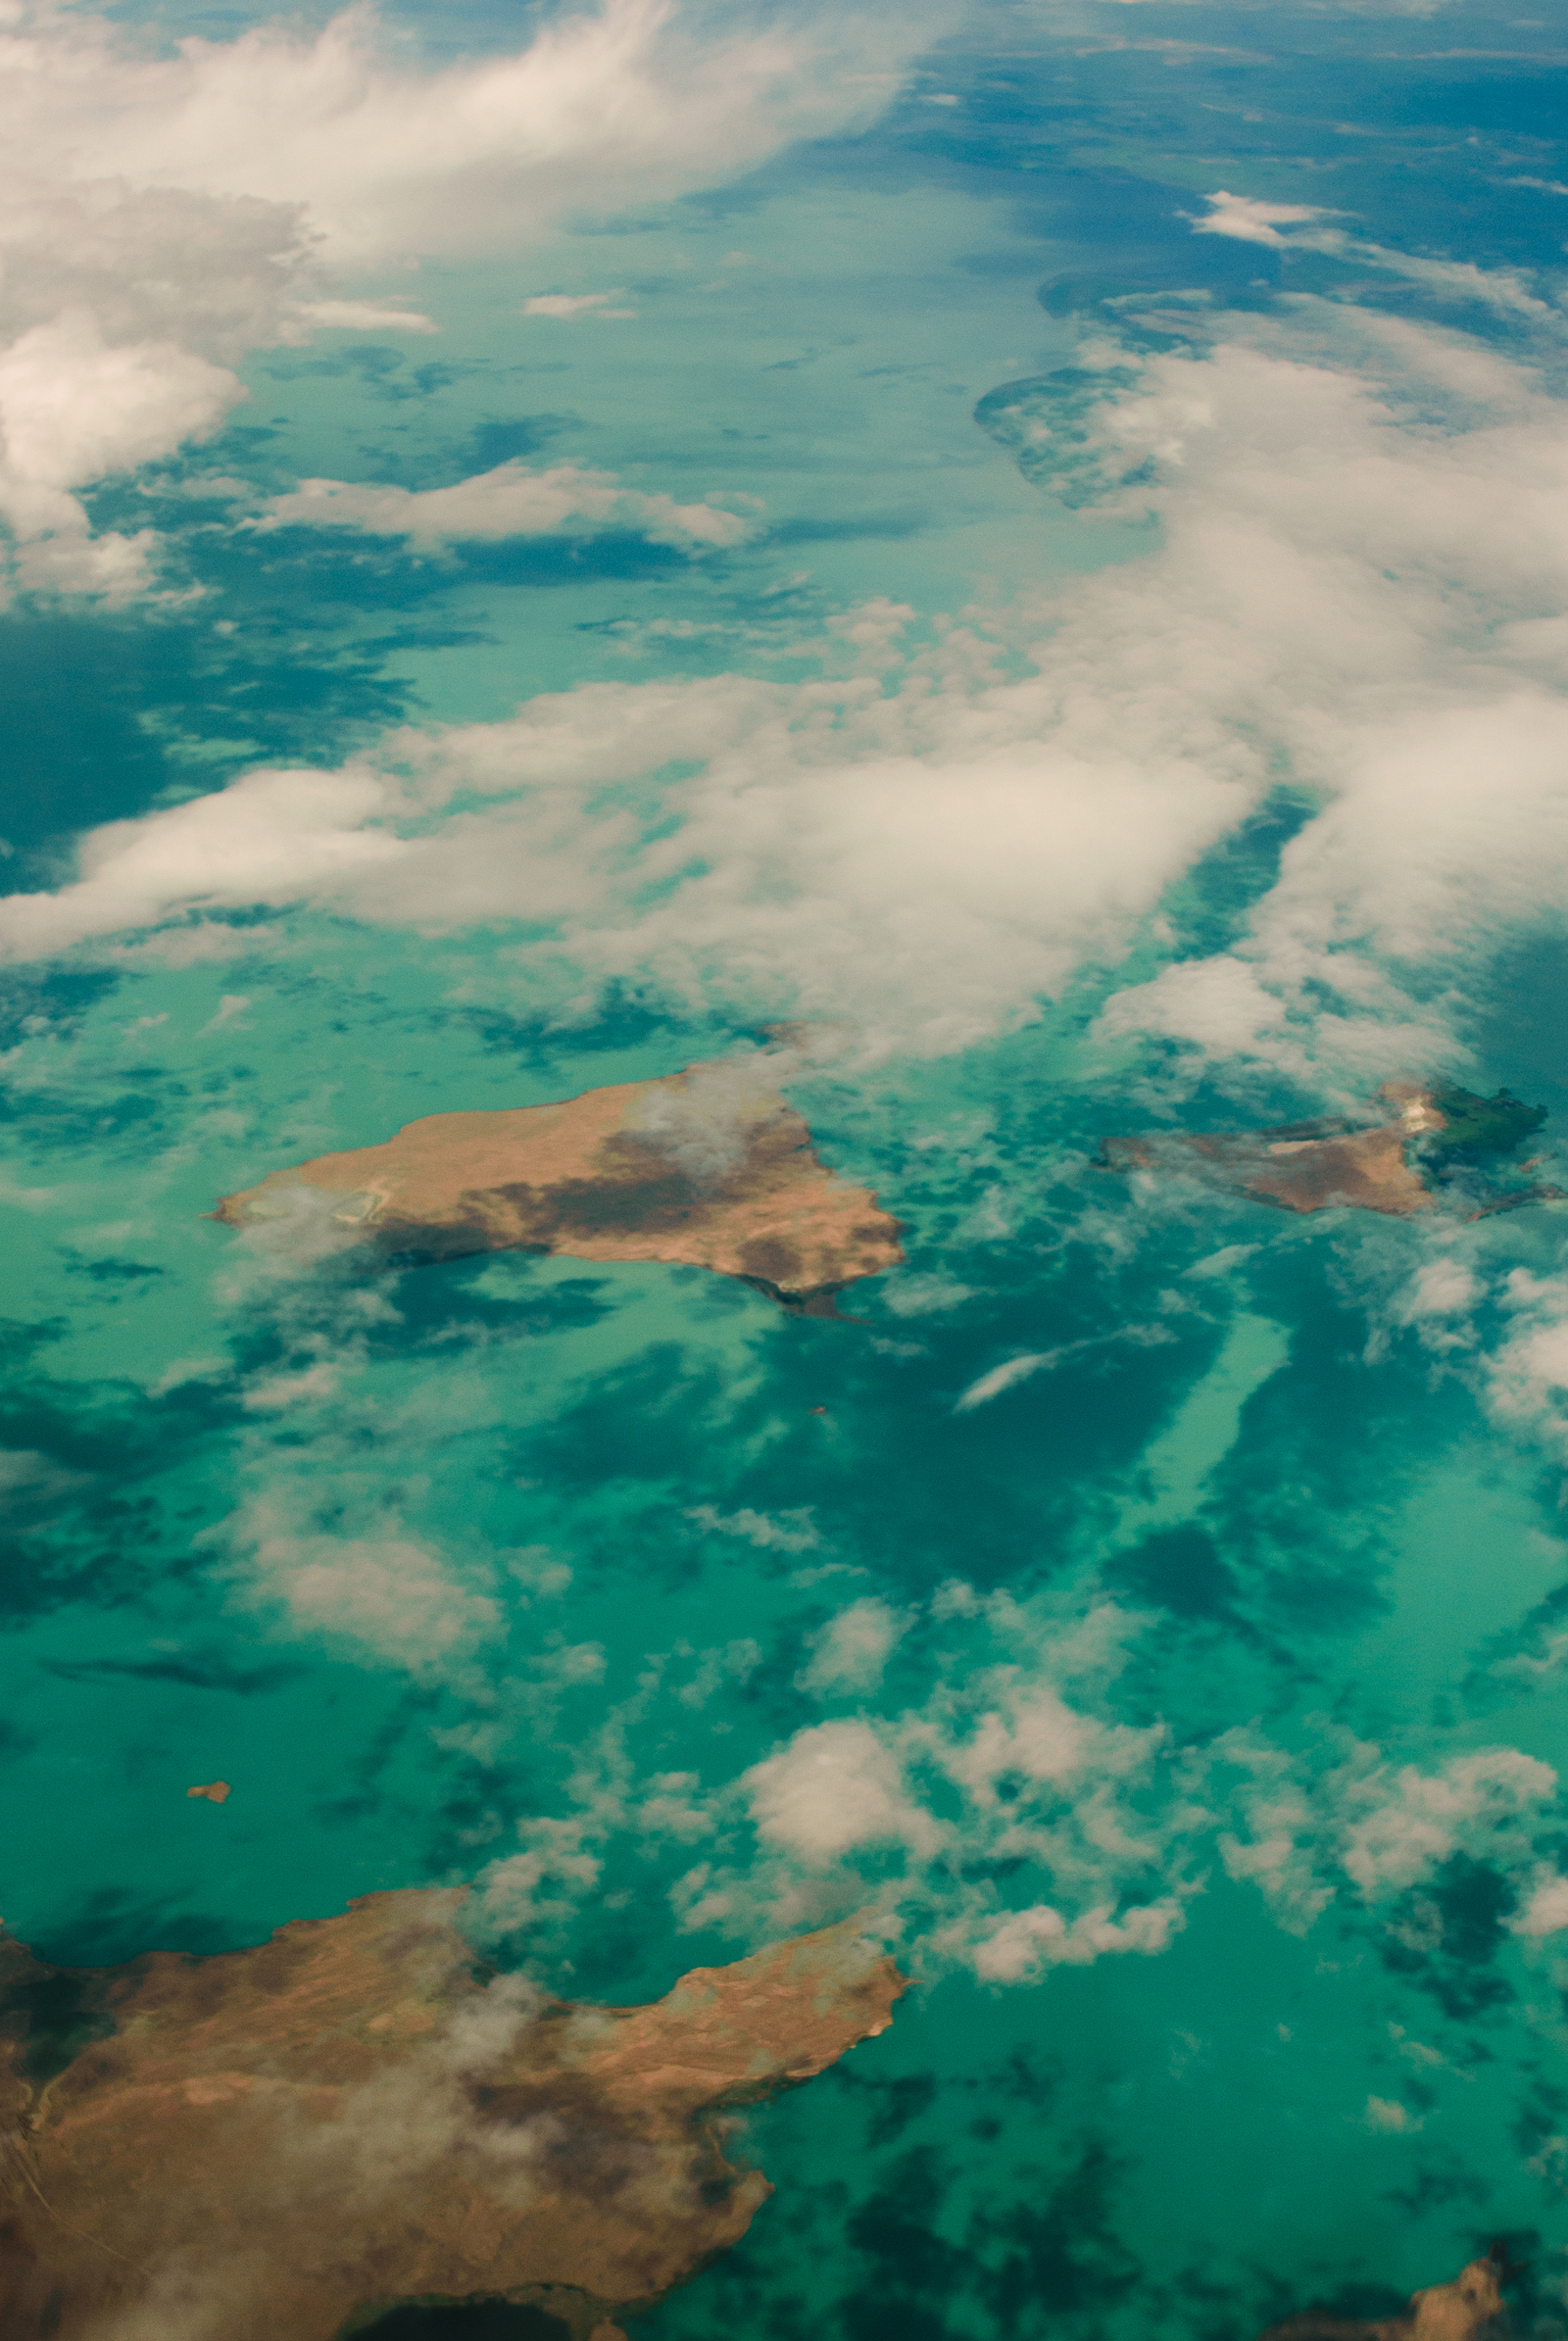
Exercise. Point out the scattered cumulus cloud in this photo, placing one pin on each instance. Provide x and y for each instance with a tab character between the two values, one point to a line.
162	216
1383	1827
1545	1912
1386	2117
1251	221
837	1789
1020	1948
1340	591
567	305
509	502
793	1530
991	1386
926	1294
388	1596
1527	1373
851	1651
74	408
362	317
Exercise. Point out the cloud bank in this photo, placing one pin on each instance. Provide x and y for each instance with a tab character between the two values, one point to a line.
390	156
162	215
1346	592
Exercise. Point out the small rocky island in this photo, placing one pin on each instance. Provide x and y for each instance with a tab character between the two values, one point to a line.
292	2139
708	1167
1463	2311
1420	1145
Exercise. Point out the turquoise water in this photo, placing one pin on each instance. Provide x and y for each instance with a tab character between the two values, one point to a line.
1151	1608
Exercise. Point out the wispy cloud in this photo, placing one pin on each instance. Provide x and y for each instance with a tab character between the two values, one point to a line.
510	502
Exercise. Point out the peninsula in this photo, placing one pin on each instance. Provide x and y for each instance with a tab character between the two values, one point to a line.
708	1167
293	2139
1423	1147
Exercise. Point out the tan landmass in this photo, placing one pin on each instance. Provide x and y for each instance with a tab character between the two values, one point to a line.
216	1791
1457	2312
288	2140
708	1167
1304	1166
1404	1163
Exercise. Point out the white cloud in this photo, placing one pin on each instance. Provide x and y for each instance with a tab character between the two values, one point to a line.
390	156
270	837
833	1789
851	1649
1417	1819
539	1887
1005	1820
1344	591
1547	1911
924	1296
572	304
1388	2118
1502	290
1383	1827
1020	1369
1251	221
74	408
783	1531
1219	1004
1022	1946
1221	1262
1034	1736
159	216
508	502
1440	1287
362	317
991	1386
389	1597
916	862
1527	1376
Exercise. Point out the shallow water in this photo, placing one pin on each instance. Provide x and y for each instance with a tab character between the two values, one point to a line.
513	1571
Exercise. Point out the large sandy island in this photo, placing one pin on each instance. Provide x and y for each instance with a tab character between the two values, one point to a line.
708	1167
280	2141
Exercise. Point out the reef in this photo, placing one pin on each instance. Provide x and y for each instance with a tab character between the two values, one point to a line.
705	1167
1470	2306
357	2115
1420	1152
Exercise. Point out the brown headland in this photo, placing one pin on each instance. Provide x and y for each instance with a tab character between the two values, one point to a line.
293	2138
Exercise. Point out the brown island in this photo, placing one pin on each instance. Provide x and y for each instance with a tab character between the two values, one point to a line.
1423	1147
707	1167
1463	2311
292	2139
